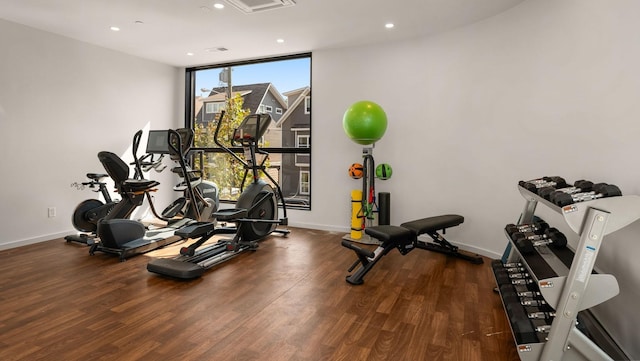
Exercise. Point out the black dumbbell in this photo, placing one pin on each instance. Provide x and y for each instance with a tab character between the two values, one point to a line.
535	227
497	264
536	302
527	241
528	293
539	315
512	304
507	279
533	304
522	281
543	308
581	186
535	184
600	190
510	300
522	325
518	275
578	186
502	277
516	269
533	181
543	328
511	264
526	288
507	288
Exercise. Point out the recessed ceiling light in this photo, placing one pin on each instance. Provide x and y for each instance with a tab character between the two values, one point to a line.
138	22
389	25
114	28
189	54
218	6
280	41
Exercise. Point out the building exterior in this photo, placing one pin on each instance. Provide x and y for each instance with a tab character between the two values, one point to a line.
290	128
295	127
258	98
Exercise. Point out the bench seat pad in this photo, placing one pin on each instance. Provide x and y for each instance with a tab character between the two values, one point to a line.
433	224
388	233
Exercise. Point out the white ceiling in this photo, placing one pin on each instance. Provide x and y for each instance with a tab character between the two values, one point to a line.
172	28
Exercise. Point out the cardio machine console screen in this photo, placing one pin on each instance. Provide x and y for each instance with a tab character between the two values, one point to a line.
252	127
158	142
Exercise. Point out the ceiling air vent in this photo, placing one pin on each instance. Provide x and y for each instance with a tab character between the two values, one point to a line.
252	6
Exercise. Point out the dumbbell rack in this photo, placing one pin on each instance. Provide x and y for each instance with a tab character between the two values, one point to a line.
566	279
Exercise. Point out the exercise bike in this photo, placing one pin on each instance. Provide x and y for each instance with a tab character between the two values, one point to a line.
126	237
87	214
255	214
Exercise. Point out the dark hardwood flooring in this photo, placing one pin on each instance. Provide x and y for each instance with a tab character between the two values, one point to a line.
286	301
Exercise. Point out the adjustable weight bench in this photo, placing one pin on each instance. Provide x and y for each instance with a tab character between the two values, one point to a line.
405	239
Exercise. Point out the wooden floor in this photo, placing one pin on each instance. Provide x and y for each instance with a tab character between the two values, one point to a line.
286	301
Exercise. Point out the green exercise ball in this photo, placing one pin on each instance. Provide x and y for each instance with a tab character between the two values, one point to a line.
364	122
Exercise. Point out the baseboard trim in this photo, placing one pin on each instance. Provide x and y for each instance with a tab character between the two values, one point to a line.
28	241
462	246
320	227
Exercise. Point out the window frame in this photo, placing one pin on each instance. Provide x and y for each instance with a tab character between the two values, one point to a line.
190	119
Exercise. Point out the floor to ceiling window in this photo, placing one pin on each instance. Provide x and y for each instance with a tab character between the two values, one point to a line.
280	90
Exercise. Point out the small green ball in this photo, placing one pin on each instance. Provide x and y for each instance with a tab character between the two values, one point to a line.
384	171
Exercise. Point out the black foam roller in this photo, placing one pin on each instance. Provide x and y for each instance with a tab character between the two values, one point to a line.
384	208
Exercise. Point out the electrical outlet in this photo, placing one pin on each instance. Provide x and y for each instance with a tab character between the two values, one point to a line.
51	212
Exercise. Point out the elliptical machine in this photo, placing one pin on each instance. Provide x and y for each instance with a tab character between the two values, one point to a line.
204	201
255	214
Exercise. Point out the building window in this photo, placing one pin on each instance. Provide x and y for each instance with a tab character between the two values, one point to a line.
214	107
289	154
305	181
302	141
307	105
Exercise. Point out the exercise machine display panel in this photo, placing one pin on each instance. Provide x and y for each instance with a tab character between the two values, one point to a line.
158	142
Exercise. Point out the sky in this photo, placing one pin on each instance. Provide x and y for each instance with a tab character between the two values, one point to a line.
285	75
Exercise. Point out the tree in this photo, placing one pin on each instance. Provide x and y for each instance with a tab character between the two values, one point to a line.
221	168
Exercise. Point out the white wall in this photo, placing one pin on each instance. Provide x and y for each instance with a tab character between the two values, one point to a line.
61	102
546	88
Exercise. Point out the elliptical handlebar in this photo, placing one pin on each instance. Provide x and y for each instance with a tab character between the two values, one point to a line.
251	142
134	149
175	144
217	141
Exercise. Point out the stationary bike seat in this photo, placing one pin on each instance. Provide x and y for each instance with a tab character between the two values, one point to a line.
137	185
96	176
